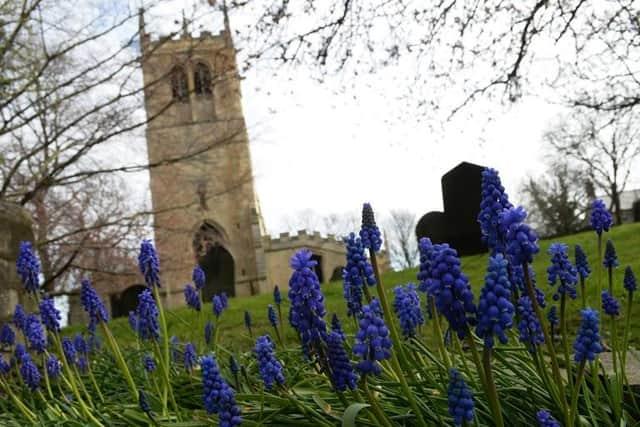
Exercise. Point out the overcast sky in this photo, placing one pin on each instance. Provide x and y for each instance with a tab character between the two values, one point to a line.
317	147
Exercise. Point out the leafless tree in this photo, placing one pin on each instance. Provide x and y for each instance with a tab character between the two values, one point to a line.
338	224
558	200
605	145
401	239
460	51
71	94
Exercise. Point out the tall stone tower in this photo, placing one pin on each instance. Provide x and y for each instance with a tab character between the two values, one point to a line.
205	208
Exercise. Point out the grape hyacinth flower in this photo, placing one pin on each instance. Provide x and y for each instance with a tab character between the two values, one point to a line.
50	315
19	351
630	282
426	248
372	339
610	304
495	310
530	329
144	403
552	317
601	219
218	307
356	273
5	367
562	270
133	321
147	314
190	357
521	241
494	201
28	268
69	350
546	420
35	334
80	344
307	302
83	365
92	305
582	265
406	305
269	367
342	374
29	372
198	277
54	367
173	346
587	345
191	297
225	300
610	258
247	322
149	364
451	290
218	396
7	336
277	297
336	326
19	317
369	232
208	332
271	314
148	264
460	399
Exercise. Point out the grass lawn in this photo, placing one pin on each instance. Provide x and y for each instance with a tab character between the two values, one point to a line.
233	335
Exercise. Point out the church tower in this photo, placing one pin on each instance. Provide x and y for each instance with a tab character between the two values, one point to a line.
205	208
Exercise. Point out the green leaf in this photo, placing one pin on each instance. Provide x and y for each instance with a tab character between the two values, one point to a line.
350	415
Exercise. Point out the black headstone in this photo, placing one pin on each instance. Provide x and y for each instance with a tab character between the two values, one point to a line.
458	224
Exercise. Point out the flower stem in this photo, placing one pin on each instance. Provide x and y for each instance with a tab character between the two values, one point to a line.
552	353
444	354
399	353
492	392
120	360
72	381
565	338
627	327
576	393
165	344
375	406
21	406
46	375
584	297
95	384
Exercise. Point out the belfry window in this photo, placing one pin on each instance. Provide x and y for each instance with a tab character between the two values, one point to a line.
202	79
179	85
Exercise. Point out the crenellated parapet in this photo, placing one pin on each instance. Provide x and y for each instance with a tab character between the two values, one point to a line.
304	238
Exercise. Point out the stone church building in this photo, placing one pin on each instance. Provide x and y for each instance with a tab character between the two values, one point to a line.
203	196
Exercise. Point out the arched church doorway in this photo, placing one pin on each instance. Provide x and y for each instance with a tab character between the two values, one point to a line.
127	301
218	269
209	244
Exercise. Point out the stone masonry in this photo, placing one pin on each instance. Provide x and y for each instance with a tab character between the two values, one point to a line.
15	227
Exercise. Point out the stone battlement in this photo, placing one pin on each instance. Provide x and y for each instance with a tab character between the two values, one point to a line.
303	238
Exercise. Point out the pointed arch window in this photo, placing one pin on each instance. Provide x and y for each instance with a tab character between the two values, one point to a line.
202	79
179	85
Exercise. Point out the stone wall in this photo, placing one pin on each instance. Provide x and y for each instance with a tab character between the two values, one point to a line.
15	227
331	250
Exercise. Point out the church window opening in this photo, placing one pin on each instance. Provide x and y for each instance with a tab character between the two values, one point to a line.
179	85
202	80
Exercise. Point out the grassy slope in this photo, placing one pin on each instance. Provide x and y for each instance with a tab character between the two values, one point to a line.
182	321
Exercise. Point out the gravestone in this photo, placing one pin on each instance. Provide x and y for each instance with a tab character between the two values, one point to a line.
458	224
15	227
